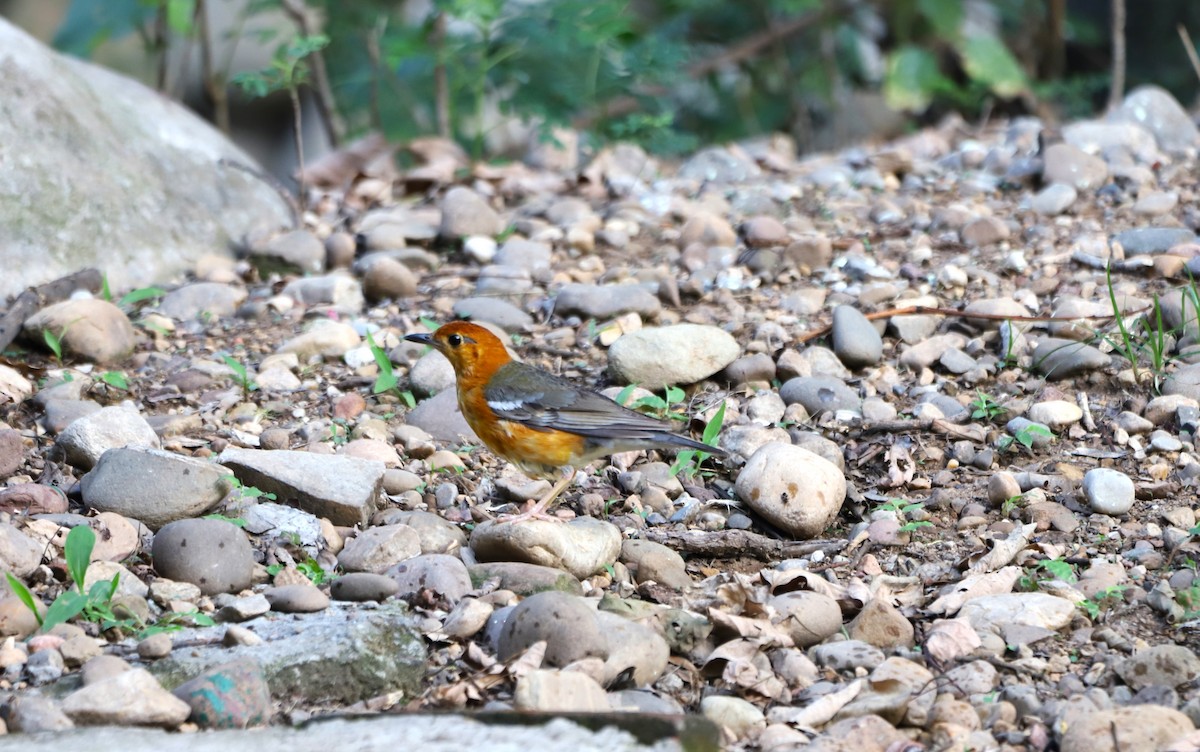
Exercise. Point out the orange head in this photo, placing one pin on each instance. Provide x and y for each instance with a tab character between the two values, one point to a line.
474	351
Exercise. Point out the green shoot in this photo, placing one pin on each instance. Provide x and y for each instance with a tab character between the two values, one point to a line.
241	376
689	461
387	377
115	379
986	407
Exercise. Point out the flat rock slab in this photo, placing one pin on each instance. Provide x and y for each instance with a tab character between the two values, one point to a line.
343	489
602	732
346	653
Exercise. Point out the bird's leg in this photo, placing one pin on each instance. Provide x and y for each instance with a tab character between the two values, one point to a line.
538	510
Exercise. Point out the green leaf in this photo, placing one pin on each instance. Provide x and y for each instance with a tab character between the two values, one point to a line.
78	552
1059	570
64	608
945	16
115	379
713	429
24	595
911	79
142	294
988	61
624	394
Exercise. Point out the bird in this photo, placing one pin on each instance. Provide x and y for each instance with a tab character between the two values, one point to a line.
544	424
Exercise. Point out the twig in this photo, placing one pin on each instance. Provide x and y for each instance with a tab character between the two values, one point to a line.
215	88
326	104
1117	87
1191	48
735	543
28	302
1088	421
955	313
743	50
441	79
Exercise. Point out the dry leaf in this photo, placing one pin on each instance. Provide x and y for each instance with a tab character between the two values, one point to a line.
742	663
762	631
948	639
820	712
1002	551
973	586
530	660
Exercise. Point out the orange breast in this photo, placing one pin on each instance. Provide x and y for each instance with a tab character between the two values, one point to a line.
539	453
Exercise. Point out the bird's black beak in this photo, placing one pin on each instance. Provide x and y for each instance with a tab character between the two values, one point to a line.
424	339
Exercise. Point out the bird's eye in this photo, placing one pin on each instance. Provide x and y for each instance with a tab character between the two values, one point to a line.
454	340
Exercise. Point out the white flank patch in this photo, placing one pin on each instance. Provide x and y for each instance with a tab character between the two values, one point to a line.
506	406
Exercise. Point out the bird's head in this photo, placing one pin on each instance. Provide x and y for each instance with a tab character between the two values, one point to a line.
470	348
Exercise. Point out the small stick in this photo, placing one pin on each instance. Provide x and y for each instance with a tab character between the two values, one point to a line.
1088	421
954	312
1191	48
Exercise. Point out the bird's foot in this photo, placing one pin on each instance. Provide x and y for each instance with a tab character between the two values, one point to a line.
535	512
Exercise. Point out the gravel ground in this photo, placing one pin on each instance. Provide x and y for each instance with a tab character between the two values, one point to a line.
955	374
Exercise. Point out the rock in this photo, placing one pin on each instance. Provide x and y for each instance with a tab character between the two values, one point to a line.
882	625
440	417
376	549
16	620
31	714
1067	164
654	562
764	231
328	339
1108	491
13	386
525	579
737	716
1166	665
1056	415
662	356
243	609
431	374
1142	727
792	488
202	299
984	231
438	536
465	212
229	696
211	554
344	654
1153	108
19	553
1183	382
548	691
1063	358
567	624
387	278
155	646
719	165
1054	199
116	148
820	394
343	489
1030	609
583	546
808	617
153	486
925	353
295	252
339	291
103	667
363	586
89	437
437	575
856	341
130	698
606	301
811	251
32	498
492	311
525	254
1140	241
848	655
296	599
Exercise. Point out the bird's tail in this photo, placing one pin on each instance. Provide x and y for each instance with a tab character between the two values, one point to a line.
673	439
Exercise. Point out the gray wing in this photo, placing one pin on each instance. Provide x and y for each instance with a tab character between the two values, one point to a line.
546	402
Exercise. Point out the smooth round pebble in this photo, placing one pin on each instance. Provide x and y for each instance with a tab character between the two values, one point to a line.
296	599
363	586
1108	491
567	624
214	555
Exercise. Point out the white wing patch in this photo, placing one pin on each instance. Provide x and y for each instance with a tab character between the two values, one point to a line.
506	405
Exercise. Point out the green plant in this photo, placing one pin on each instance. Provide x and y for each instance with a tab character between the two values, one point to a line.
1103	601
94	605
688	461
1049	569
1189	598
339	431
131	299
986	407
246	492
287	71
310	568
241	376
670	407
236	521
1011	503
115	379
1026	435
904	509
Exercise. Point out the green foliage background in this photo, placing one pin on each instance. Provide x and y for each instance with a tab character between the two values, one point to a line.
570	61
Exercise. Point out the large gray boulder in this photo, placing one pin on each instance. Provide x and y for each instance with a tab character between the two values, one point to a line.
99	170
